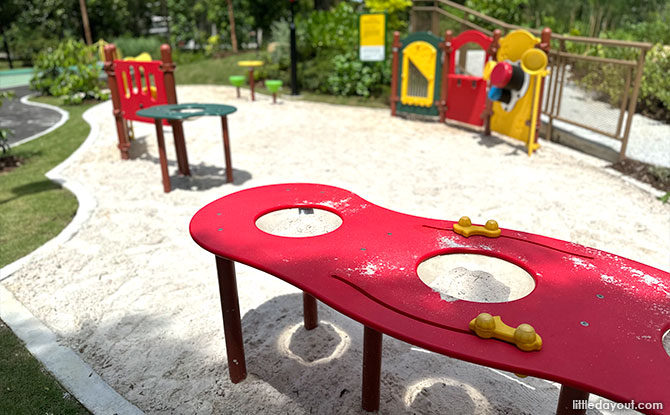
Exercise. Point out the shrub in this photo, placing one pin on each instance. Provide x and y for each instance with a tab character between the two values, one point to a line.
69	71
350	76
4	132
328	53
133	46
655	89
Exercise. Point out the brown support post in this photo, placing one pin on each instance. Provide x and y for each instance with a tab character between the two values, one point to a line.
251	82
274	97
544	45
493	53
569	401
310	311
167	67
633	103
624	99
232	325
121	132
558	67
226	149
394	73
161	155
446	52
372	368
564	61
463	50
434	19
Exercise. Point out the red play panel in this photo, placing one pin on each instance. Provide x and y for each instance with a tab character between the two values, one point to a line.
601	317
466	97
134	80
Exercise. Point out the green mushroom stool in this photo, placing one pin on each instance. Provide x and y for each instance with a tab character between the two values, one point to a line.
237	81
273	85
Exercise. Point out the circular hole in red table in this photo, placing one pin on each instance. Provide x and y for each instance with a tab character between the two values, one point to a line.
299	222
666	342
474	277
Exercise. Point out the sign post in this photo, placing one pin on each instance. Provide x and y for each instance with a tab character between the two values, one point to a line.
372	37
294	53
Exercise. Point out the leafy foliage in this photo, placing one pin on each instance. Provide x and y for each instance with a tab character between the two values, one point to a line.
509	11
397	12
4	133
133	46
655	89
69	71
350	76
328	51
39	24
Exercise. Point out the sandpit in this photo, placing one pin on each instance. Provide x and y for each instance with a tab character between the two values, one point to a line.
138	300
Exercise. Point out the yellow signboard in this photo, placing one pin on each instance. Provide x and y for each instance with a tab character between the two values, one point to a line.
372	37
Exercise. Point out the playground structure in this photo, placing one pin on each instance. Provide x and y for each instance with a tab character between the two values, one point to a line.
584	300
559	123
146	93
425	81
273	85
250	65
143	85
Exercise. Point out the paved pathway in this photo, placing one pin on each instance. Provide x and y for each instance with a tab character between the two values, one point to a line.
25	120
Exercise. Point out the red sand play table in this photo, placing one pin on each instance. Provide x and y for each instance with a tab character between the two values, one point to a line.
601	317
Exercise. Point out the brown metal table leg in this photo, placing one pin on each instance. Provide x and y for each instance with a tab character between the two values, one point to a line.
180	148
310	312
572	401
251	82
226	150
162	156
372	367
232	325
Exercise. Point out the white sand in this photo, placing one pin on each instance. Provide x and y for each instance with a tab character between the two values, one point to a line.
137	298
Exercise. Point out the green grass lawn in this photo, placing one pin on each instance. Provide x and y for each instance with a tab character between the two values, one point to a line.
4	65
25	386
217	71
34	209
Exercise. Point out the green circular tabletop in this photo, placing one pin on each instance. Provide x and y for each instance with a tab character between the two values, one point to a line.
273	84
237	80
250	63
183	111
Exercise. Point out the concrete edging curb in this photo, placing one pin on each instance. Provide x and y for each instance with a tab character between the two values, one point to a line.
63	363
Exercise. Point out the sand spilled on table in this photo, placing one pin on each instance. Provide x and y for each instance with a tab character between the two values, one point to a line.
137	298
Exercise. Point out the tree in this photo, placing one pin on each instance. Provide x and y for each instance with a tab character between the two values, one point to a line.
231	19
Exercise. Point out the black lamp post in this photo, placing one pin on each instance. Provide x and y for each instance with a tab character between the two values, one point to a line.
294	53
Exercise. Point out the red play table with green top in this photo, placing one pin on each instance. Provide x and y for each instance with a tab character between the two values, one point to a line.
601	317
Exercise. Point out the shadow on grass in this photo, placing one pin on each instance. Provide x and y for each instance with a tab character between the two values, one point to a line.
31	189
